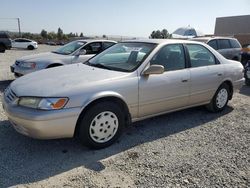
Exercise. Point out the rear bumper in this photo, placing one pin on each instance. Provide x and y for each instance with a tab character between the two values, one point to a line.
42	124
238	84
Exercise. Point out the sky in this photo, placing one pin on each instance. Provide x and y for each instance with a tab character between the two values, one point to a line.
137	18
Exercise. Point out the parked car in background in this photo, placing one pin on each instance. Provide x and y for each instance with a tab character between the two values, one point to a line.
5	41
73	52
247	73
230	48
24	43
245	53
128	82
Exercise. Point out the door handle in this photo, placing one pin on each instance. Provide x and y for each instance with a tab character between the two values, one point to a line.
219	74
184	80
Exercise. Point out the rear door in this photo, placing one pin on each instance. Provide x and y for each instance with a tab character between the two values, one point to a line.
206	74
224	48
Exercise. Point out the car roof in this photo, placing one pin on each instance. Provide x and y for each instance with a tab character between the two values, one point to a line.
95	40
206	39
161	41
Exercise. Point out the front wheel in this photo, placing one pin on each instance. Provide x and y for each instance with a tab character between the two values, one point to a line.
220	99
101	125
30	47
2	48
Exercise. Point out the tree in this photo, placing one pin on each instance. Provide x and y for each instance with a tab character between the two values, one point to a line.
59	34
52	35
44	34
104	36
160	34
81	35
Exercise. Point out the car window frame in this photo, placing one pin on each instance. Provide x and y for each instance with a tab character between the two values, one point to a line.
184	52
217	62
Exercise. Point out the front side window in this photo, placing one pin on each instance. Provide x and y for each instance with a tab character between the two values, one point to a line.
171	57
125	56
93	48
69	48
223	44
200	56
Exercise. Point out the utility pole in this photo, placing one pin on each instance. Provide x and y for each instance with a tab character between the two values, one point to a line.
19	28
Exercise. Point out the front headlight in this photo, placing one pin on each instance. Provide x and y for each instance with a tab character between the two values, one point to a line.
43	103
30	65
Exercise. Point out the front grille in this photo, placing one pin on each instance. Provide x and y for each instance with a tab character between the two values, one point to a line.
10	95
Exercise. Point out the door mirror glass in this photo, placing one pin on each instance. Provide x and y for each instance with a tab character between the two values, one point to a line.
154	69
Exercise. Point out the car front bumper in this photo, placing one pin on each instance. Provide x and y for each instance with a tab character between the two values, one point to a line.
42	124
20	71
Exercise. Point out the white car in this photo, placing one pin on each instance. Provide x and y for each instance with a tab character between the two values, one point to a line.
24	43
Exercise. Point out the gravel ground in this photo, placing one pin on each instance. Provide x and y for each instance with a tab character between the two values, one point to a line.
189	148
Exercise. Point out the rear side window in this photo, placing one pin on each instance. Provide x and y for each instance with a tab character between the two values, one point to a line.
213	44
106	45
223	44
200	56
235	43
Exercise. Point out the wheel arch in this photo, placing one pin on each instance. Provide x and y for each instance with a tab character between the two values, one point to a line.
54	65
104	97
230	85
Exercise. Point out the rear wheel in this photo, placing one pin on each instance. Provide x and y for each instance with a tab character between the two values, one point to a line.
220	99
30	47
247	81
101	125
2	48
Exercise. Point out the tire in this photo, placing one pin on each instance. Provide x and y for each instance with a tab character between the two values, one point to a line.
30	47
220	99
247	82
101	125
2	48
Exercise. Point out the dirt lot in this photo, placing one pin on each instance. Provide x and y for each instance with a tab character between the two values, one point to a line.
190	148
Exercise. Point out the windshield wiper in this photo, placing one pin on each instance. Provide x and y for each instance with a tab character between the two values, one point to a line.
99	65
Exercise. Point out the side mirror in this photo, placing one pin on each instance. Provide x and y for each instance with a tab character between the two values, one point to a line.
80	52
154	69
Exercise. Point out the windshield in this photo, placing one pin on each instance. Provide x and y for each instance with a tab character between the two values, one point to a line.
69	48
125	56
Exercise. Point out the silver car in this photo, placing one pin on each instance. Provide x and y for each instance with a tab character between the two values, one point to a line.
230	48
73	52
128	82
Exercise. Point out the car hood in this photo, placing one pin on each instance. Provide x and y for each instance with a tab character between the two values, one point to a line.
63	81
43	57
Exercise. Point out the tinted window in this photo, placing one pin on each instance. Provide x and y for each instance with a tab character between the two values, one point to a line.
200	56
213	44
107	45
223	44
235	43
93	48
4	35
171	57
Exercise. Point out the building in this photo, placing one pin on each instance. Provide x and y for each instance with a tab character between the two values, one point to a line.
236	26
